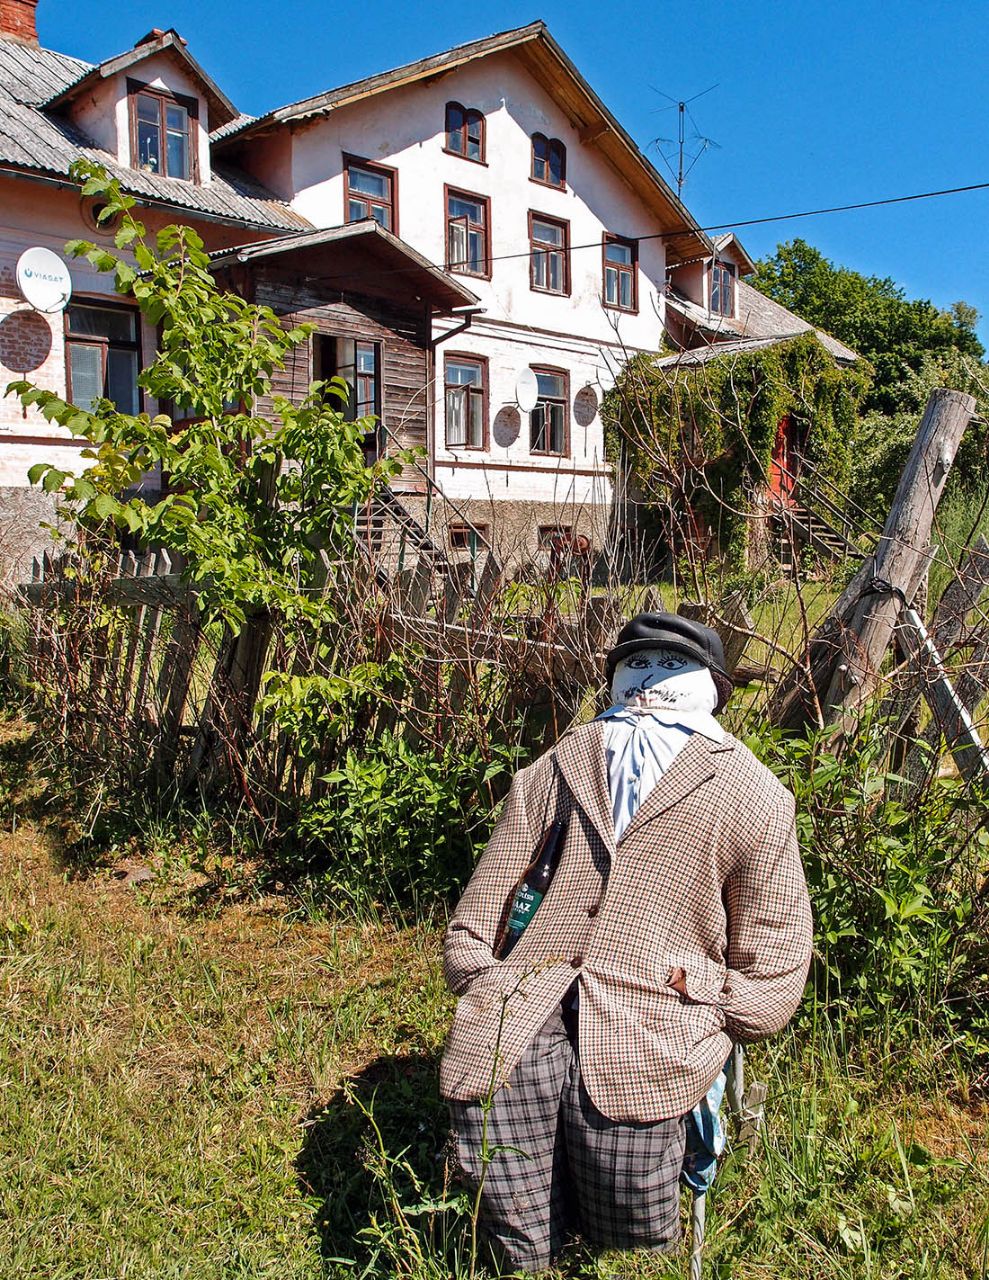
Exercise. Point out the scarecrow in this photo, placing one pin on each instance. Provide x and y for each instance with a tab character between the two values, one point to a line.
675	921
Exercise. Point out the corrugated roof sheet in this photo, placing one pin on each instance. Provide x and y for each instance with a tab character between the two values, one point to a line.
761	317
232	126
426	275
32	75
37	141
325	101
715	351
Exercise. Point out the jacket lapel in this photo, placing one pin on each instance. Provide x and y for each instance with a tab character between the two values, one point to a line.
580	759
696	764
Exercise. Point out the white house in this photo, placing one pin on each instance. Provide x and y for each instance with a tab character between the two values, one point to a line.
494	165
497	160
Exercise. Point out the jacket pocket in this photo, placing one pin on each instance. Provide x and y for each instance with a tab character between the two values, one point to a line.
704	983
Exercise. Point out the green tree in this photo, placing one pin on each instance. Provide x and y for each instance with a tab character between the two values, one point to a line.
251	500
899	336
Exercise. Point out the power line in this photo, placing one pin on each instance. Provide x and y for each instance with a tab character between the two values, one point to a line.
685	230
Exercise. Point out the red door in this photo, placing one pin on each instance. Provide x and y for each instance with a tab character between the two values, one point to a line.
785	464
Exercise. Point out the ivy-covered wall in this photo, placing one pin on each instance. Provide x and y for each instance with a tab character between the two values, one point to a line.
706	433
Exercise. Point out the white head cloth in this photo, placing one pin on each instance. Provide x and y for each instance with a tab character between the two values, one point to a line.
662	680
661	699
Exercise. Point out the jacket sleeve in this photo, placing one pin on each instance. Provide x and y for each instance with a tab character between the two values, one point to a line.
468	948
770	932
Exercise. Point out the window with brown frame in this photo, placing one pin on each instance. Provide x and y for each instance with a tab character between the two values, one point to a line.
162	133
549	254
465	537
468	233
369	192
465	401
722	288
358	364
103	355
549	421
550	533
620	269
549	161
465	132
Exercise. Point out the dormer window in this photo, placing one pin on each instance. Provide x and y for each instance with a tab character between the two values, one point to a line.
161	133
722	288
465	132
549	161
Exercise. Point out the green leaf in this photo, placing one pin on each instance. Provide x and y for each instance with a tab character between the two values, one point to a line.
53	480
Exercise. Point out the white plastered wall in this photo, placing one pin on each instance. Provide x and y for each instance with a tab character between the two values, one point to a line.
103	112
404	129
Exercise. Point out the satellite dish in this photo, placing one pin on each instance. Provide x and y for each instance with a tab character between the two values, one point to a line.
526	390
43	280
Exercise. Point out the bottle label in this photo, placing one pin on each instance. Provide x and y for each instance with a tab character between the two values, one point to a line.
524	907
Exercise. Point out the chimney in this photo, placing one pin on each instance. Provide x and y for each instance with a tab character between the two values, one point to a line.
17	20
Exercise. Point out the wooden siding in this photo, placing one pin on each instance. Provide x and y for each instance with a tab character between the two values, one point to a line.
402	333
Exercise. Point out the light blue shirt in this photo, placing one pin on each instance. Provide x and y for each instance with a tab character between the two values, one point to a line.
639	747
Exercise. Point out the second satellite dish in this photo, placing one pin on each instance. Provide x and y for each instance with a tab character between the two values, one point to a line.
43	280
526	390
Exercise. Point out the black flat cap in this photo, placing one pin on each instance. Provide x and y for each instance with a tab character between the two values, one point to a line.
682	635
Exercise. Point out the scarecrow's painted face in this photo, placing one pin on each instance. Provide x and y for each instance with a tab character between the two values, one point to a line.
661	678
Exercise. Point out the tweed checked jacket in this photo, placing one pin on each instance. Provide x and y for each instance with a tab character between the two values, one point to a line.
706	878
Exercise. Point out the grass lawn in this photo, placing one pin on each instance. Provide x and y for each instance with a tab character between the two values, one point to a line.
185	1088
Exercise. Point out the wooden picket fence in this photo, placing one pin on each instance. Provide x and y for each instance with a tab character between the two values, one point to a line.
129	672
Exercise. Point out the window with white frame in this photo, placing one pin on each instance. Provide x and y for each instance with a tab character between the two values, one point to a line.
549	420
468	231
549	254
161	132
722	288
465	394
620	260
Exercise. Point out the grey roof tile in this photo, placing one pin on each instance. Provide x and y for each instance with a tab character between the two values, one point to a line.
47	143
758	317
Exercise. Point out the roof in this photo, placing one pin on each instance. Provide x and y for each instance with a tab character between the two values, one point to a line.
43	143
715	350
731	241
359	257
551	67
758	318
221	109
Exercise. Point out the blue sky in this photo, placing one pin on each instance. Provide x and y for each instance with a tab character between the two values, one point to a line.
819	102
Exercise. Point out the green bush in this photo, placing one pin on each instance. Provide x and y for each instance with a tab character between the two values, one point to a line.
401	824
896	878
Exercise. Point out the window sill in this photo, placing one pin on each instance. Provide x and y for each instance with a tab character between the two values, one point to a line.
460	156
553	186
552	293
625	311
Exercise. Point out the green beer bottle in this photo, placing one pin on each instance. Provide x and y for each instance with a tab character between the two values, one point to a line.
532	888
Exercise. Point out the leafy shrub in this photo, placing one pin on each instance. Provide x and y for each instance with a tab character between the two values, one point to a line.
402	823
896	879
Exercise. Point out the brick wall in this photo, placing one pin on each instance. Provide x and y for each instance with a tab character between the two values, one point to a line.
17	20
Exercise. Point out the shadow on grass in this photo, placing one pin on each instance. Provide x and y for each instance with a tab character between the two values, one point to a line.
401	1092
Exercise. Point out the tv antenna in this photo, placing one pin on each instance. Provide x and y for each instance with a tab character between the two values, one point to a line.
684	113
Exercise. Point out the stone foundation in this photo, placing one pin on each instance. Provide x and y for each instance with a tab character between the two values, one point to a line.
517	532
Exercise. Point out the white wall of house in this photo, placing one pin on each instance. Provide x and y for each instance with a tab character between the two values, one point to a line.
404	128
103	112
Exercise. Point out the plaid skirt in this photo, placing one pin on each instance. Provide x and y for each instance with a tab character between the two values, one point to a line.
559	1167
